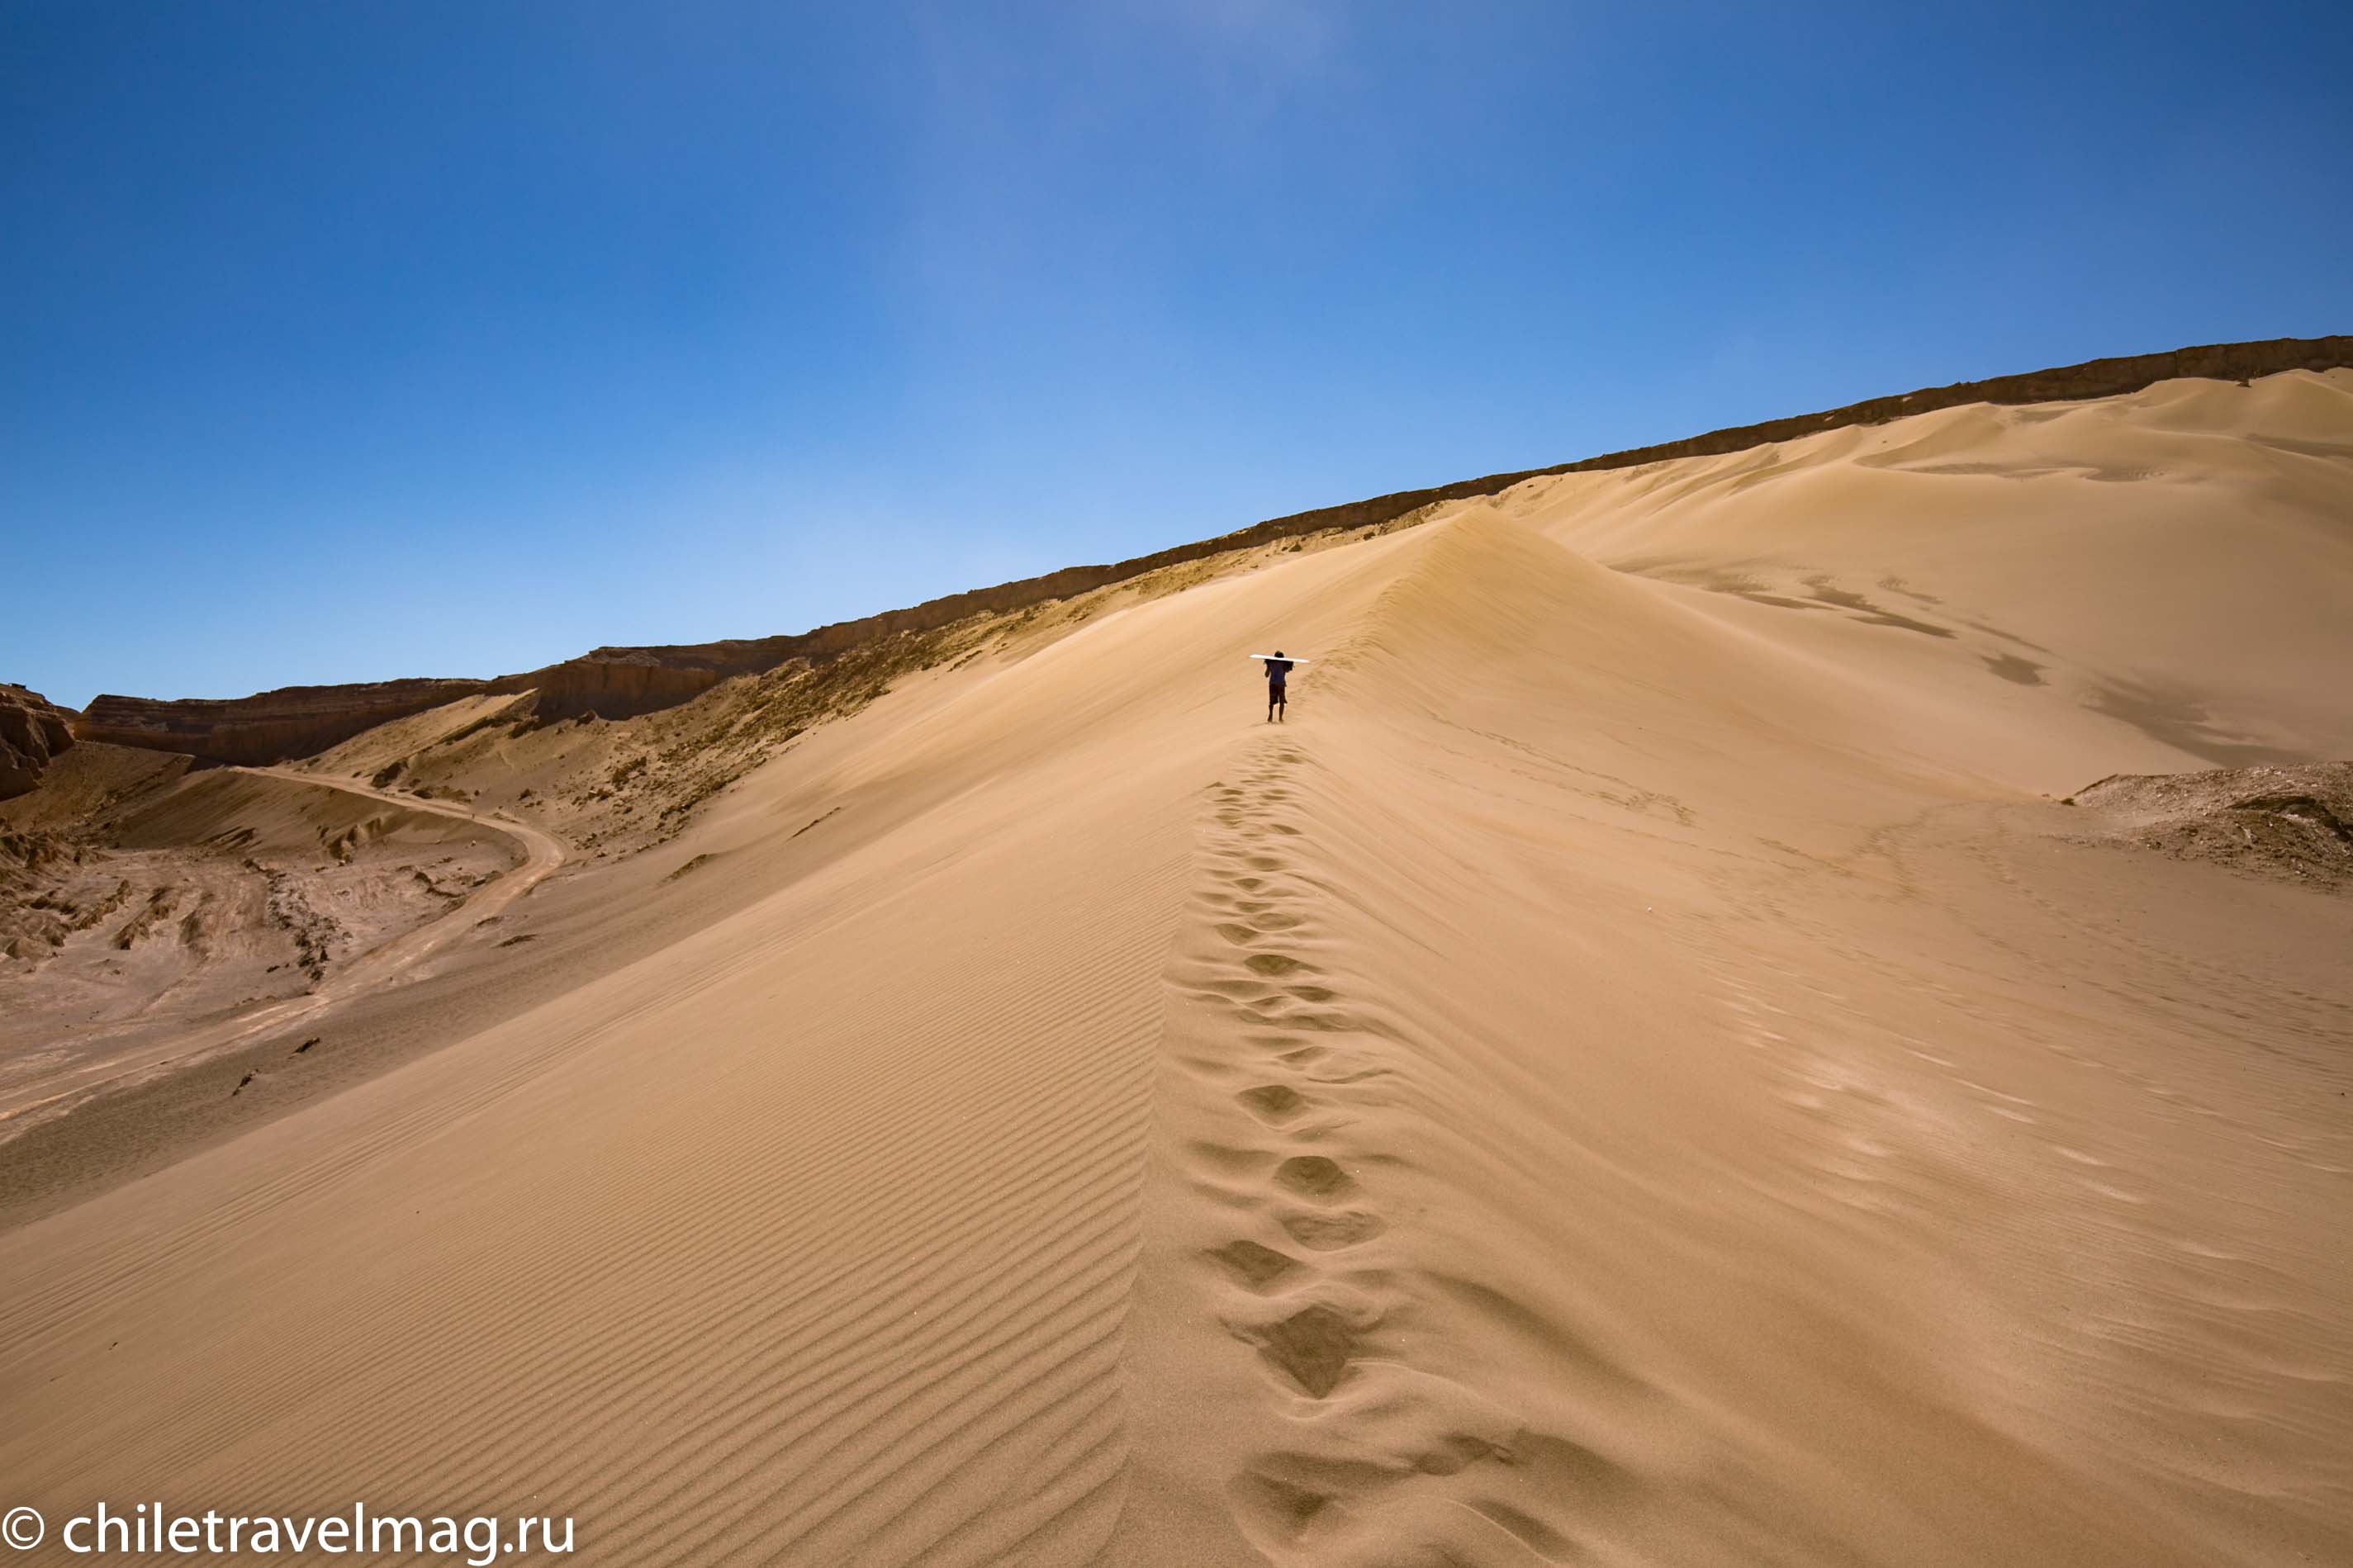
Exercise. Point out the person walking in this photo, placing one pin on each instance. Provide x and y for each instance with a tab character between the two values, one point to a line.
1277	669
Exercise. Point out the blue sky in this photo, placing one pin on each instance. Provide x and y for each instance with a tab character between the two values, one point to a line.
354	341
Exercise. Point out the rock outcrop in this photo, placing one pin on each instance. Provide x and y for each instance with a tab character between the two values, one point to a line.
2293	824
622	682
268	727
31	729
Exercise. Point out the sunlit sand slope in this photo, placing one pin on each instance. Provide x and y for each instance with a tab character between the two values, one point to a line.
1633	1071
811	1238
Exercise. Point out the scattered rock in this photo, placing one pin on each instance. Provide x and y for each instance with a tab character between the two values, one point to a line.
2294	824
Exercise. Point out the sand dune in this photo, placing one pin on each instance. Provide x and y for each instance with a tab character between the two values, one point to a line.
1641	1067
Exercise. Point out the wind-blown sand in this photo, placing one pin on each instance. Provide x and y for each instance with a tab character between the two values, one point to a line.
1642	1068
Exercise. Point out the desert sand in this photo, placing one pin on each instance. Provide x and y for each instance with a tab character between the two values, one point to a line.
1646	1066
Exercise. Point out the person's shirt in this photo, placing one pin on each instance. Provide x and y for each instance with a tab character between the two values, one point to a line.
1276	668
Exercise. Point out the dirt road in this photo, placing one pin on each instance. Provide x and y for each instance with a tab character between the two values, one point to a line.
52	1092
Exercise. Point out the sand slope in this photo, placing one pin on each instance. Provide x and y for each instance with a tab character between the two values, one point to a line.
1634	1071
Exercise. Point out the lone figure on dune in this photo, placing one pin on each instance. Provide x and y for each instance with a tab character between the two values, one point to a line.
1277	668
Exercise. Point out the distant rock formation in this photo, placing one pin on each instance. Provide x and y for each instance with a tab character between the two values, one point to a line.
31	729
268	727
302	721
622	682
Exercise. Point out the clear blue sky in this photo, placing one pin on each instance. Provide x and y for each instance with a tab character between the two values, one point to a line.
343	342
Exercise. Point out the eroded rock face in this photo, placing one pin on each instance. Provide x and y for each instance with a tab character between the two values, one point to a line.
623	682
302	721
31	729
268	727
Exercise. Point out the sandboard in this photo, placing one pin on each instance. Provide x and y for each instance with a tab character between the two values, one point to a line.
1284	657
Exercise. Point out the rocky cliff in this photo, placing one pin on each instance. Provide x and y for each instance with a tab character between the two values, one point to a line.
268	727
31	729
622	683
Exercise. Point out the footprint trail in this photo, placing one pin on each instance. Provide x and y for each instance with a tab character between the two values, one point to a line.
1304	1068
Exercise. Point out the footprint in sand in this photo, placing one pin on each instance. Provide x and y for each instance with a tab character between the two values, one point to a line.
1273	1103
1315	1177
1236	990
1362	1075
1254	1266
1313	1347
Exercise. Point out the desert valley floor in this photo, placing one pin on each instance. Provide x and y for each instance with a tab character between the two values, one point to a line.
1666	1057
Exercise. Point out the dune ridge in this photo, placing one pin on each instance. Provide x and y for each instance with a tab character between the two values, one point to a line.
619	682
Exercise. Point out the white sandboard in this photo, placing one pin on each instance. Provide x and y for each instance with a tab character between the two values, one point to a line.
1284	657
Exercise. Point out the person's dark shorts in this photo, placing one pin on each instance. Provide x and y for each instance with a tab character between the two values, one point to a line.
1274	691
